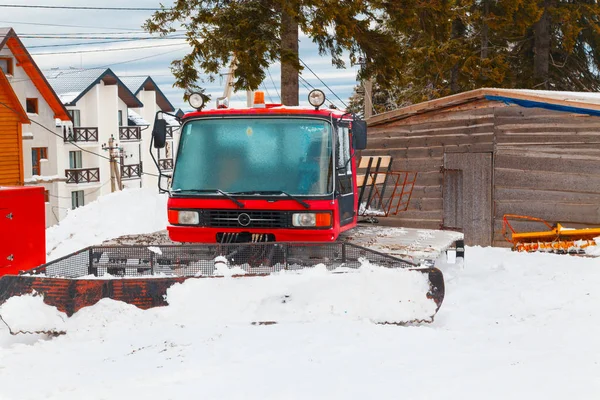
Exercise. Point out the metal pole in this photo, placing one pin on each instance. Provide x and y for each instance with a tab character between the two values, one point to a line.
368	87
111	161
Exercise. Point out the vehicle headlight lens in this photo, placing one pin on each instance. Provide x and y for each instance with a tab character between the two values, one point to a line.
185	218
320	220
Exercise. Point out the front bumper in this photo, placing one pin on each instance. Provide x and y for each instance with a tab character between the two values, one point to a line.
192	234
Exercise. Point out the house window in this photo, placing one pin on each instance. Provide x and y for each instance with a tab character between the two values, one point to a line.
77	199
37	154
76	116
32	106
75	159
120	118
47	196
6	65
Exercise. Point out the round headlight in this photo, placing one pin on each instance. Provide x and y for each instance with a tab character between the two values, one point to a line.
316	98
196	100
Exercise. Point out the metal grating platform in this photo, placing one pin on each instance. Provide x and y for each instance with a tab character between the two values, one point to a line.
201	260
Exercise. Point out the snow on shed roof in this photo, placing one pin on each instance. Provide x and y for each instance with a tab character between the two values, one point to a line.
73	84
574	102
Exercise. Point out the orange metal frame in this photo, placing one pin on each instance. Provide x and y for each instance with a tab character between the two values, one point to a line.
403	183
555	239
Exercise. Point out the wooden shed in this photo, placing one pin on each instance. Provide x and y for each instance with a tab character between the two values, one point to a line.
12	116
490	152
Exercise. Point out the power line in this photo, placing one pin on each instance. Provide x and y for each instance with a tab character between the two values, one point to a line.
65	26
80	7
273	82
106	50
103	66
62	37
70	141
304	83
267	90
125	32
320	80
96	43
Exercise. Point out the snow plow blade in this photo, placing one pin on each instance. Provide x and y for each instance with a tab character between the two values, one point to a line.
363	282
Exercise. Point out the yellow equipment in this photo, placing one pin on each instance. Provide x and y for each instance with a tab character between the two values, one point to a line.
557	239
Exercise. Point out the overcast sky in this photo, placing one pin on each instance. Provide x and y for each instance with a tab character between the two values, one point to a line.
154	60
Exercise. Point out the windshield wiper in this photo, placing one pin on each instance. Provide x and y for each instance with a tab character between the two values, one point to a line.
229	196
303	203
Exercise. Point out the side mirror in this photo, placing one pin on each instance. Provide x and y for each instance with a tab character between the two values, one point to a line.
159	133
359	134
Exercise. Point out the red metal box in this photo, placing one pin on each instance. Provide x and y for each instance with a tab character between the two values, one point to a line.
22	228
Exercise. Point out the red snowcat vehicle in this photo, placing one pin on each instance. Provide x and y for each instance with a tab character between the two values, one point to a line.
262	189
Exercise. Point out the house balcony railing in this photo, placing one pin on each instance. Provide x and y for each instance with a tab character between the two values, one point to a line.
80	134
171	130
132	171
130	133
166	164
83	175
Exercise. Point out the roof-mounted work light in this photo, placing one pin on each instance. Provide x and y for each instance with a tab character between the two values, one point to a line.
196	101
316	98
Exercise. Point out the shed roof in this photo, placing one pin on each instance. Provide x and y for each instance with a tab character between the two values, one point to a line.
9	38
137	83
72	85
575	102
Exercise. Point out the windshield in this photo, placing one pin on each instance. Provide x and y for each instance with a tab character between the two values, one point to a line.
293	155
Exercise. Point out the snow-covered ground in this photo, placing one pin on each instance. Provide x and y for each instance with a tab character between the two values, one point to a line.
131	211
513	325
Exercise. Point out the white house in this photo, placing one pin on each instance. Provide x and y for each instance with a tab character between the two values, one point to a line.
98	102
42	138
148	92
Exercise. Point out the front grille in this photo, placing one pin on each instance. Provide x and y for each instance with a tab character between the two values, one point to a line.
246	219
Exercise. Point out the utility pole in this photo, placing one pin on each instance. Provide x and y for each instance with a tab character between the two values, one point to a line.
368	91
368	86
113	153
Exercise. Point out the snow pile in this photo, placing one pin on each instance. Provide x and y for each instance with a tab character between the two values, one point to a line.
130	211
513	325
29	313
370	293
370	211
594	250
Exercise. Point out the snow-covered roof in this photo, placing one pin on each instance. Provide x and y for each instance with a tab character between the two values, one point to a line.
136	119
134	83
171	121
139	82
72	84
577	102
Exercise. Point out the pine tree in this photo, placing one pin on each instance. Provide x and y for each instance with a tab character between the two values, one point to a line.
261	32
449	46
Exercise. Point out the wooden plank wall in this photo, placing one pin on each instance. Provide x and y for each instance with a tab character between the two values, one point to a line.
546	165
10	145
418	144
